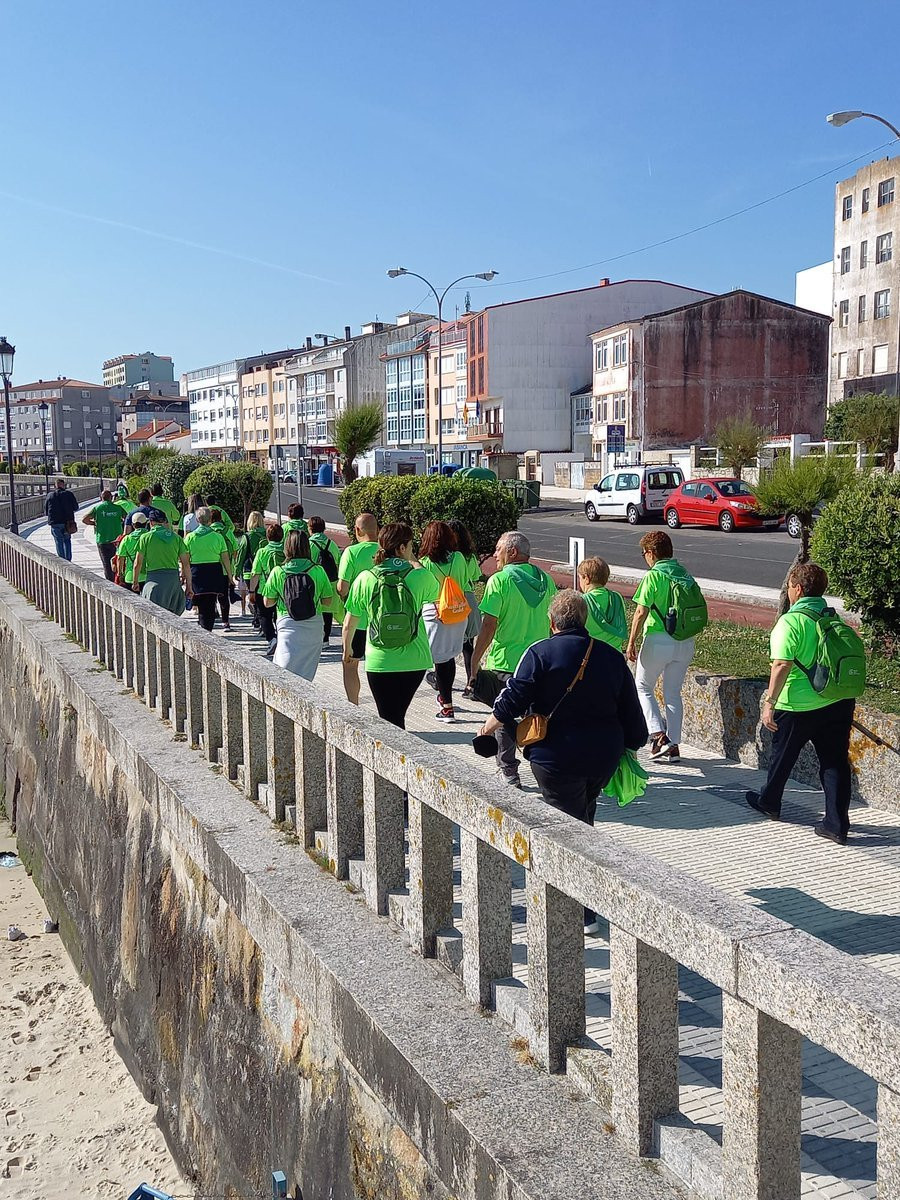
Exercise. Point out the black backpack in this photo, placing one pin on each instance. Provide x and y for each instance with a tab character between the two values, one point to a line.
326	557
300	595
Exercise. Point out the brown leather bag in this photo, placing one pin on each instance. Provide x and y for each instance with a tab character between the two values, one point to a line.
533	728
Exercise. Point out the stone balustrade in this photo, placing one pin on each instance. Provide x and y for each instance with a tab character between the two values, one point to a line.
31	494
356	788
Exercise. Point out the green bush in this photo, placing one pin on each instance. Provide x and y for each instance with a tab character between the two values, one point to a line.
171	472
239	488
857	541
76	470
364	495
136	484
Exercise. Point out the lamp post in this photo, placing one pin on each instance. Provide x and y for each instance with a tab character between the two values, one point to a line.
486	275
349	347
98	429
43	409
7	354
837	119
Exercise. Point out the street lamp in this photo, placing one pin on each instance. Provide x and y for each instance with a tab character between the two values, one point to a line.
98	429
486	275
7	354
43	409
837	119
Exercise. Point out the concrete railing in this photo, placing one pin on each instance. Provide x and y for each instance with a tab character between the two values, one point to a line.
30	507
346	777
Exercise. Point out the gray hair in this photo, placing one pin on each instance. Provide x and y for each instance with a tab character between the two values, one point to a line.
515	541
204	515
568	610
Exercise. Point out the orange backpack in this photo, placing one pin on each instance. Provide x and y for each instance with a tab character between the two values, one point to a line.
451	606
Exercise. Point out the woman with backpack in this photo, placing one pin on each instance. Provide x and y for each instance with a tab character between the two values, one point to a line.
326	553
301	592
466	546
447	618
248	543
389	598
606	619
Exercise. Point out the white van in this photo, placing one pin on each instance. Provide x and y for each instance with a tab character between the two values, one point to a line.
632	492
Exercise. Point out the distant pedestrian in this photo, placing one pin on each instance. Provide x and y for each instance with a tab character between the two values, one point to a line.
218	524
466	546
165	506
60	508
295	521
667	599
161	551
327	554
126	554
389	599
210	567
446	619
249	542
795	713
301	592
514	614
606	619
144	505
269	556
189	521
359	556
106	519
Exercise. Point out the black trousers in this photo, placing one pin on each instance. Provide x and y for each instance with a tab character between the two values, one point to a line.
205	608
829	731
107	554
266	618
327	621
445	673
573	794
392	692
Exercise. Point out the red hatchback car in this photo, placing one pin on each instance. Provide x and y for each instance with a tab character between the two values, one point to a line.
728	503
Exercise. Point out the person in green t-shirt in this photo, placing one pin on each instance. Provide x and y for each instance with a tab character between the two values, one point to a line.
438	554
161	551
327	554
227	531
606	620
295	522
249	542
106	519
514	612
166	507
210	567
395	673
359	556
126	553
268	556
794	713
660	654
299	642
466	546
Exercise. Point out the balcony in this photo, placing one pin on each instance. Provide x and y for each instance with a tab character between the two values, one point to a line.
485	433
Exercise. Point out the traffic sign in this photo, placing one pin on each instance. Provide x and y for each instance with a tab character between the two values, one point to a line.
615	439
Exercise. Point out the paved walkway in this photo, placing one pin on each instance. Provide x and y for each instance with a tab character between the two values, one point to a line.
693	816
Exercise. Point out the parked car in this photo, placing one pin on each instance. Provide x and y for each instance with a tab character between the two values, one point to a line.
728	503
289	477
792	521
632	492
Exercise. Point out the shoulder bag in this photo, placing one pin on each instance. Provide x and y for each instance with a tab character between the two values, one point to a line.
533	728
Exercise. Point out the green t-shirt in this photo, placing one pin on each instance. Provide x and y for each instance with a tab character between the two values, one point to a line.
473	571
606	617
654	590
295	525
274	585
417	655
267	557
165	505
162	549
228	535
357	557
125	504
795	636
456	568
204	545
519	597
127	551
248	545
108	520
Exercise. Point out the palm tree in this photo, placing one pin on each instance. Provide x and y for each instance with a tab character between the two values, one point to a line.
356	431
739	441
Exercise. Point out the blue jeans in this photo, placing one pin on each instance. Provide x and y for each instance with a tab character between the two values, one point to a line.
63	541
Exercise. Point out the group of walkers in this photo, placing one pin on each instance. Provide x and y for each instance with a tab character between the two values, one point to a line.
552	665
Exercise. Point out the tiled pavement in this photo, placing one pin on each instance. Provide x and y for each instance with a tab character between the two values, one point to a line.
693	817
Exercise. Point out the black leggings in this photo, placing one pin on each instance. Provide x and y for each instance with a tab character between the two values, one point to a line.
468	650
225	606
445	673
205	607
266	618
327	620
393	692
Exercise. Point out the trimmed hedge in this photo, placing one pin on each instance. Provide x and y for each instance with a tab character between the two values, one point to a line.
171	472
239	488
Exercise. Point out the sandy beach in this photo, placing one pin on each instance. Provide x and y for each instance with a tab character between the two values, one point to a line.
72	1120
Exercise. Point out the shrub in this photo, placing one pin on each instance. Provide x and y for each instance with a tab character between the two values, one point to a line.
364	495
858	543
76	470
171	472
868	418
739	440
239	488
136	484
356	431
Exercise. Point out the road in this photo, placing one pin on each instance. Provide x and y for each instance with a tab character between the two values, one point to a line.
758	558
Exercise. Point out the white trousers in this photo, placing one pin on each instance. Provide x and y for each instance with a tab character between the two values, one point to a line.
662	655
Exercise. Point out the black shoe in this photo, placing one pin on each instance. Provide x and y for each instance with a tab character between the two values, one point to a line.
753	800
839	839
431	679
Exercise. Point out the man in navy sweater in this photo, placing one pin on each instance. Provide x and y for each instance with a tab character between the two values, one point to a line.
61	507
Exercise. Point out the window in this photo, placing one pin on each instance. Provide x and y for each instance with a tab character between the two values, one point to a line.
865	200
861	309
627	483
842	365
481	375
602	411
461	393
602	355
882	304
885	192
844	314
620	350
392	429
847	208
481	319
880	360
460	360
845	260
606	484
860	362
884	247
863	254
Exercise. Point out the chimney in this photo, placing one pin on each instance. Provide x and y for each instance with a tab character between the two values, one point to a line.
309	343
604	282
347	333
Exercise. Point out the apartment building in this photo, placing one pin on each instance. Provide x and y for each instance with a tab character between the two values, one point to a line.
75	412
267	402
134	370
214	402
669	378
865	341
526	357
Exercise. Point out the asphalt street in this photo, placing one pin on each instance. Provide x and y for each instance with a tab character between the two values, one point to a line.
755	557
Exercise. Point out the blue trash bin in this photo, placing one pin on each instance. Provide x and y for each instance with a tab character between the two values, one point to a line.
326	475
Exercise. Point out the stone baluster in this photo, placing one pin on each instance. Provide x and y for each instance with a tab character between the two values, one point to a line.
555	930
430	903
232	730
178	668
383	821
279	762
486	917
344	808
256	768
193	679
151	676
164	677
212	712
311	770
140	665
887	1174
129	669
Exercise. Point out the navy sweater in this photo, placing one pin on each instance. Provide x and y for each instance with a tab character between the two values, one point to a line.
60	506
597	721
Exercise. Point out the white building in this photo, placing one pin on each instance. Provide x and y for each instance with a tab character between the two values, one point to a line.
813	288
214	398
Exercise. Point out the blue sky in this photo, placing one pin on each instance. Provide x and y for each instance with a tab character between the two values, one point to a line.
288	153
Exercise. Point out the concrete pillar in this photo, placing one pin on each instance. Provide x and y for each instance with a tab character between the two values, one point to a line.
383	820
644	1003
140	665
344	807
486	917
430	903
232	730
311	770
253	722
762	1086
163	677
109	637
279	762
555	929
211	684
128	669
193	679
178	668
887	1174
